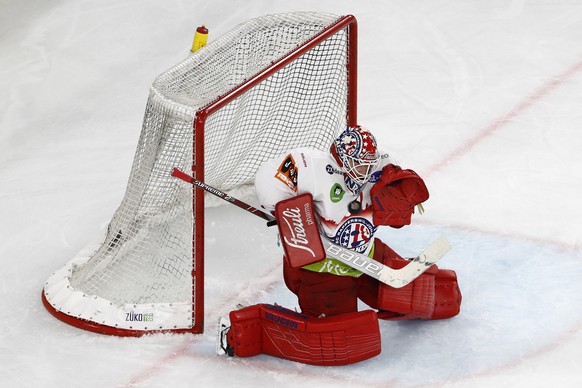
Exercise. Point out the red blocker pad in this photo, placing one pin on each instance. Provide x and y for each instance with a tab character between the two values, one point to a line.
280	332
298	230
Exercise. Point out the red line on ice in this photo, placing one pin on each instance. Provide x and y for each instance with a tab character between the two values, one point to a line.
517	110
538	94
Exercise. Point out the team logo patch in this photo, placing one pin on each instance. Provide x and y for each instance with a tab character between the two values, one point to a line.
354	143
330	170
336	193
375	177
355	234
287	172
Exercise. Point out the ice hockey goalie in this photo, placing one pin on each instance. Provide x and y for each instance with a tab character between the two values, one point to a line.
352	189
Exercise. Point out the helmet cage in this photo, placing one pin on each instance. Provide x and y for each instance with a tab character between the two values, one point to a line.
360	170
357	154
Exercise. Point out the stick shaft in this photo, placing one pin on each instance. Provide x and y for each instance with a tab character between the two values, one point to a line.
393	277
222	195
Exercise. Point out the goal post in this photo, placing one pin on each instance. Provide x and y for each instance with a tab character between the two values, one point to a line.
271	84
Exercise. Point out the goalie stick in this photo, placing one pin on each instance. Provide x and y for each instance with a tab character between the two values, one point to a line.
222	195
396	278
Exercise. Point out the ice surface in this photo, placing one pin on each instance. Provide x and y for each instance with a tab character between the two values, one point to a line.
482	98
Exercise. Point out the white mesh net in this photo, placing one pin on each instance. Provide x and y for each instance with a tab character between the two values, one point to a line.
141	277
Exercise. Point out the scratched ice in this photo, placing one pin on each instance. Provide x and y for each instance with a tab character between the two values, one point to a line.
480	98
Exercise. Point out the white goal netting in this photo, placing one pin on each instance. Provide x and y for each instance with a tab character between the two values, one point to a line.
143	275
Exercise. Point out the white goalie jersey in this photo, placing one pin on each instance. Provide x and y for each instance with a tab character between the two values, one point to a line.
345	217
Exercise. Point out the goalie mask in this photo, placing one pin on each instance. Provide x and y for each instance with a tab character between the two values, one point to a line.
355	151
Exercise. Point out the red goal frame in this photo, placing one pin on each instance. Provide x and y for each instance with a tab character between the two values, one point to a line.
348	22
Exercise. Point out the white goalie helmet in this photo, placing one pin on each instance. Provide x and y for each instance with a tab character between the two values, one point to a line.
356	152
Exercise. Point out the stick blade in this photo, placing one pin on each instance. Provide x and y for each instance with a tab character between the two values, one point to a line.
434	252
399	278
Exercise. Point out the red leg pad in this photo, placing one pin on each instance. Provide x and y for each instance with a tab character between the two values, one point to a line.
447	295
415	300
246	331
433	295
338	340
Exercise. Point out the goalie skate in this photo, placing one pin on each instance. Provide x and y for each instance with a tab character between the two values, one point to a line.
222	346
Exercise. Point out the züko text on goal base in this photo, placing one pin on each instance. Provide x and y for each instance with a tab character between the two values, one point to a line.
342	195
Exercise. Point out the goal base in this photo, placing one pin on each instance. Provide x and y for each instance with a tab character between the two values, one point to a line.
104	329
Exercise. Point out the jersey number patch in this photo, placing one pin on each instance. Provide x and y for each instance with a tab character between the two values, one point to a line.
287	172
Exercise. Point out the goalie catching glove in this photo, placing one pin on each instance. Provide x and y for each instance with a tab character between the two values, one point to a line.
395	195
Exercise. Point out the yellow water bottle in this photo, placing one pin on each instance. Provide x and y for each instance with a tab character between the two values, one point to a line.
200	38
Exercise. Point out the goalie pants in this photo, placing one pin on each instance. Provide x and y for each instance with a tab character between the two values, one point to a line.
433	295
